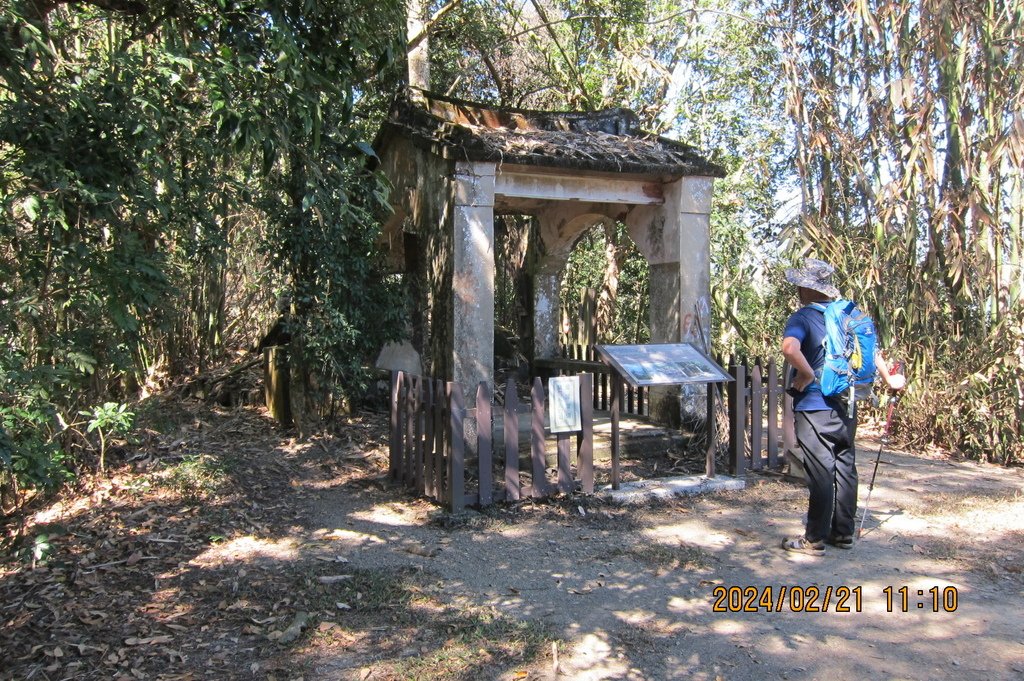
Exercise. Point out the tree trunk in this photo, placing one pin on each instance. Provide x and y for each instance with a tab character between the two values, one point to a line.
607	303
418	44
276	377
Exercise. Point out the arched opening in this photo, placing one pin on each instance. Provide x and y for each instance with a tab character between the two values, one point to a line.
515	240
605	291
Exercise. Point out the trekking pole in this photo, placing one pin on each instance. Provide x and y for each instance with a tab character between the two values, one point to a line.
878	457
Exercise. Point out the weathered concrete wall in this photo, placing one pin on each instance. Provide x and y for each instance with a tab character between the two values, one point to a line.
419	239
400	356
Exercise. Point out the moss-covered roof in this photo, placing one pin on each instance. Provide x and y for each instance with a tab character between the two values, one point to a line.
607	141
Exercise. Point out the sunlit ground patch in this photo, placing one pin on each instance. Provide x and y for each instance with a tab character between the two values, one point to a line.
248	549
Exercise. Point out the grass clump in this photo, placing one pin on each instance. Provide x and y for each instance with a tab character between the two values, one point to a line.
683	556
476	644
196	477
373	590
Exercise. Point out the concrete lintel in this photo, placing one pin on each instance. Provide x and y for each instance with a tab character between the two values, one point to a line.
571	188
667	488
482	168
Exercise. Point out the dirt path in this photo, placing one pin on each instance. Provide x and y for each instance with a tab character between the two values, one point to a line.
222	549
630	591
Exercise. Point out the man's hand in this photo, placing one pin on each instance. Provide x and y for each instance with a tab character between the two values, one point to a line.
893	378
896	382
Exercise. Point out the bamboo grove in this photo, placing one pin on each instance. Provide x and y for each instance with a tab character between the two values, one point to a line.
909	145
169	171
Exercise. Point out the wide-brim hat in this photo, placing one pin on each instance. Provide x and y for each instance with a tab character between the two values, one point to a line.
816	275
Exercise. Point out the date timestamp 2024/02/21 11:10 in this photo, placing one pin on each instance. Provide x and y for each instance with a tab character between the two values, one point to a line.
830	599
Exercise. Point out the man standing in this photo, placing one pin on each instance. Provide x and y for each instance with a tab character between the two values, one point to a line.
825	428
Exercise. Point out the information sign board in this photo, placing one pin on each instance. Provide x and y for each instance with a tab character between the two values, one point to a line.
564	404
664	364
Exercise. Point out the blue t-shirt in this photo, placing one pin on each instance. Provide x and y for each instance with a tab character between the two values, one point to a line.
807	325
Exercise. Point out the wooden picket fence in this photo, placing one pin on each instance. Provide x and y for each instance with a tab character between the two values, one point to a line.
756	424
428	443
758	413
578	359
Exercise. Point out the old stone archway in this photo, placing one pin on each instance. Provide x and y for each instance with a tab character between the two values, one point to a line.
454	164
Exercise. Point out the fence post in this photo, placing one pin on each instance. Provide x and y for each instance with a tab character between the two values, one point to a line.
540	484
512	488
440	423
773	415
484	434
562	454
756	414
428	438
709	464
417	451
585	447
410	429
395	439
457	460
594	395
616	382
737	418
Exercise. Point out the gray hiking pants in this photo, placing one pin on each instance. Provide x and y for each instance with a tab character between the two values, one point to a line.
825	439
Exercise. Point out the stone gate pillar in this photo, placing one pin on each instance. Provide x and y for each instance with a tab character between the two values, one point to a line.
676	240
473	275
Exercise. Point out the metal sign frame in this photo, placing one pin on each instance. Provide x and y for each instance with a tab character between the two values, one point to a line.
662	364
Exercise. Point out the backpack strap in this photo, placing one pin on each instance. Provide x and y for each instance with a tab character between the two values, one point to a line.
820	307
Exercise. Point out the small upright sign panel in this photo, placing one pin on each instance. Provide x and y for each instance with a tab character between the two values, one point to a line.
564	404
668	364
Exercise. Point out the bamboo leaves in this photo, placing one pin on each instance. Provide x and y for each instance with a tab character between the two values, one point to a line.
909	150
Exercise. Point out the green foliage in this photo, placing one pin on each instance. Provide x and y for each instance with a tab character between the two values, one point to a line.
29	455
164	175
41	548
975	402
626	320
108	419
37	549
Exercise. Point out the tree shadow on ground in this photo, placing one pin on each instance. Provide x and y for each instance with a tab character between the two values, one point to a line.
172	572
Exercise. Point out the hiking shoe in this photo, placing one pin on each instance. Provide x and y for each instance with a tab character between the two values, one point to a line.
840	541
802	545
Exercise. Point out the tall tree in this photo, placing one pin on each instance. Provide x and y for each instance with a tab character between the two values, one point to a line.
703	72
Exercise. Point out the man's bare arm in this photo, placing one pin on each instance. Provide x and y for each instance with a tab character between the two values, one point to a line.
796	359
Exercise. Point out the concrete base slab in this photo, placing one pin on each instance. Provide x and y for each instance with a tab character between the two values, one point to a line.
666	488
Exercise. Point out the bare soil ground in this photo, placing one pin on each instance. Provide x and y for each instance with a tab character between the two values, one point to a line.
222	549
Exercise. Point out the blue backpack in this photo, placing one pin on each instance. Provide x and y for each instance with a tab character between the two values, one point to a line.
849	351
